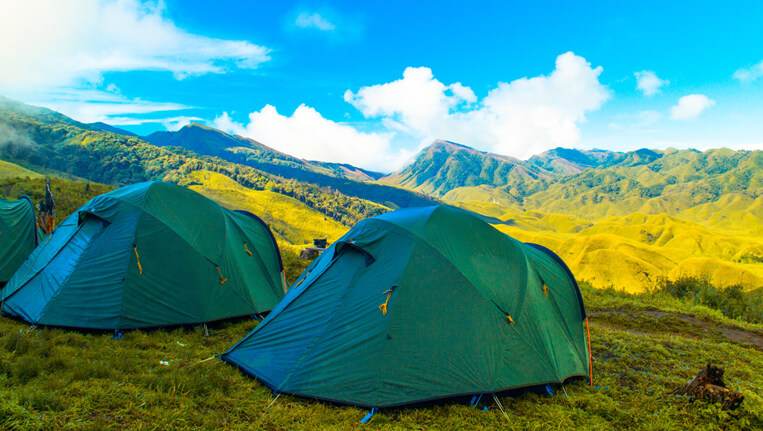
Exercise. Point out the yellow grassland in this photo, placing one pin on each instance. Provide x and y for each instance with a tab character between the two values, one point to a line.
632	252
293	223
629	252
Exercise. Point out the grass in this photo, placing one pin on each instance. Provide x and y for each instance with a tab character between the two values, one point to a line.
68	379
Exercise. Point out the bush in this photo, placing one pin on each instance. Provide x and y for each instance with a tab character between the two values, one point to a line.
732	301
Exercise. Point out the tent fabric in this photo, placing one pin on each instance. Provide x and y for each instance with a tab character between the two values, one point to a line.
417	305
18	234
146	255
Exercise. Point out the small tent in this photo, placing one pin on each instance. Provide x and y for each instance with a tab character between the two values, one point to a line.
18	234
417	305
150	254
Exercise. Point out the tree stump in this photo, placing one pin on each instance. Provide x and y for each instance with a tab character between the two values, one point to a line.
709	386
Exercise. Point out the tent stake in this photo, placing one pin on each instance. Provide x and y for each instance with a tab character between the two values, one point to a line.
368	416
500	406
206	330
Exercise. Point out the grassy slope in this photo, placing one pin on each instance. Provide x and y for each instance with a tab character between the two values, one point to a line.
294	223
631	252
57	378
10	170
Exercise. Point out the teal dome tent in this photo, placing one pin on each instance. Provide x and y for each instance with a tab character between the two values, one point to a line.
19	235
146	255
417	305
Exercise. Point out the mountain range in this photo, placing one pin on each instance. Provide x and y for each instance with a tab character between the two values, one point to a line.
620	219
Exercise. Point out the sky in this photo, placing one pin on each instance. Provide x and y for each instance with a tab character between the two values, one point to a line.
371	83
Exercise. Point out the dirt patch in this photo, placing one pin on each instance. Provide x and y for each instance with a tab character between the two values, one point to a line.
732	333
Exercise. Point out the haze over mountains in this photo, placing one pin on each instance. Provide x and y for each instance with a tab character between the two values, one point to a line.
621	219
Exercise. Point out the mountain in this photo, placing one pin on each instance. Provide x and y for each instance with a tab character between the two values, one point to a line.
212	142
712	187
565	161
43	138
444	166
346	179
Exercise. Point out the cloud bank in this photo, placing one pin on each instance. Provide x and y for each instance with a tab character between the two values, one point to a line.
307	134
519	118
54	43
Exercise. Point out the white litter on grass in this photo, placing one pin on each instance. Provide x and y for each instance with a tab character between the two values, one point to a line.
164	363
180	343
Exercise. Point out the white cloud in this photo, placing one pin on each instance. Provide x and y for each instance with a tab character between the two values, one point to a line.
307	134
689	107
51	44
314	20
648	82
750	73
520	118
416	103
172	124
92	105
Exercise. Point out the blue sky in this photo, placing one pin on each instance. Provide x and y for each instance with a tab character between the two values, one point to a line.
371	83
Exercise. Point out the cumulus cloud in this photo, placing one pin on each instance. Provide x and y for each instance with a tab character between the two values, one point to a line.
416	103
307	134
52	44
648	82
519	118
689	107
749	73
314	20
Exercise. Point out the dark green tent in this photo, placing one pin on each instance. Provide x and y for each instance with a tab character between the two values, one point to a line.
421	304
150	254
18	234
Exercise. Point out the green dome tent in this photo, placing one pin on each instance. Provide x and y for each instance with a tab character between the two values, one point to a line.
18	234
150	254
417	305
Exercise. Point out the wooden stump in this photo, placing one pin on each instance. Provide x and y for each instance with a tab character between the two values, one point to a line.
709	386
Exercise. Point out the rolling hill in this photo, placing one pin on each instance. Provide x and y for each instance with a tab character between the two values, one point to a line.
633	252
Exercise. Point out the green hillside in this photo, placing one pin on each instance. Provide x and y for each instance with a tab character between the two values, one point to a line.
444	166
52	141
69	195
347	179
10	170
719	187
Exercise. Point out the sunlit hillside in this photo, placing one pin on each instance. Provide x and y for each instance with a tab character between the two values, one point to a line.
632	252
10	170
293	223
